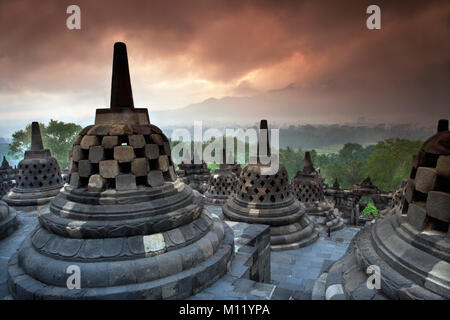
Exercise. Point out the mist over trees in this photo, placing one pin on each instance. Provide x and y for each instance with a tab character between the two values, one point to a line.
387	161
315	136
308	136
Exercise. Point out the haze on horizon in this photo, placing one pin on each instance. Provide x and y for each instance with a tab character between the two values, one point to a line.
300	61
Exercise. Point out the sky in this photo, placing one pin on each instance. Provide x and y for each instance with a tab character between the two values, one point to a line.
186	52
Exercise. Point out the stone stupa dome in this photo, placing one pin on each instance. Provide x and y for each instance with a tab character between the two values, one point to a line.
267	199
133	228
411	246
39	178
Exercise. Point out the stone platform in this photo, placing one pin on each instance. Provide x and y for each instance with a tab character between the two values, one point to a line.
292	272
8	220
27	222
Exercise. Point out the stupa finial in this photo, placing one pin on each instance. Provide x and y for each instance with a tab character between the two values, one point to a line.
36	138
308	166
121	94
442	125
263	134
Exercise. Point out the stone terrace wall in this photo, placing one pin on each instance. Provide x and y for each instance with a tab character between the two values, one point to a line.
252	247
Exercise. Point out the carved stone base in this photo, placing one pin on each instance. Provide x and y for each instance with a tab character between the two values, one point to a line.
290	227
413	265
30	198
8	220
325	216
170	265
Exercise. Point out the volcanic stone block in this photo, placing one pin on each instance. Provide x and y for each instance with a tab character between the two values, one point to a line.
89	141
124	153
166	147
156	138
155	178
73	166
409	190
120	130
443	166
163	163
77	140
109	168
425	179
139	167
99	130
110	142
85	168
137	141
142	129
77	154
438	205
125	182
173	175
417	215
96	154
152	151
75	180
96	183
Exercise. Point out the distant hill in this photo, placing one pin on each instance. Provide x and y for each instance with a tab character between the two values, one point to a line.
293	105
330	138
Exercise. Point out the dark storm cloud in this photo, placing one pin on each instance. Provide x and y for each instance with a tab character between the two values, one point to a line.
324	45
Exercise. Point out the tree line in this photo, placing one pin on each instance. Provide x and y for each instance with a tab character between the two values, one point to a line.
387	163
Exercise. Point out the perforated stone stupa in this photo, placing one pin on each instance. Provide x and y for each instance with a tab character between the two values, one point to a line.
134	229
222	183
39	178
195	174
412	245
7	177
307	187
267	199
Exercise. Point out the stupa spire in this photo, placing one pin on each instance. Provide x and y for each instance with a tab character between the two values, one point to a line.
263	134
308	166
36	138
442	125
121	94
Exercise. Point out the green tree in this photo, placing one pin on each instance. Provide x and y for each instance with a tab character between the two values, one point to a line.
391	162
57	136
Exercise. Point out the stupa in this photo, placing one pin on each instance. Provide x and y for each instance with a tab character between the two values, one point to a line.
336	184
132	228
222	183
366	187
38	179
267	199
411	246
195	174
7	177
236	169
8	220
307	187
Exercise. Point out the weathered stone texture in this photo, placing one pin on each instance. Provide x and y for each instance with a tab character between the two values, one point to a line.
109	168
